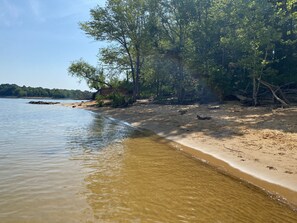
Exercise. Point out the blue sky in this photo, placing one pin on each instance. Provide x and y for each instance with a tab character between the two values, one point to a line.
40	38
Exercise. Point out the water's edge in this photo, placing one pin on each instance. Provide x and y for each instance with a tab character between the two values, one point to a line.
279	193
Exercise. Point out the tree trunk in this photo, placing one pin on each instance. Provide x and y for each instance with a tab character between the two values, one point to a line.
134	88
181	75
255	91
134	79
137	75
180	88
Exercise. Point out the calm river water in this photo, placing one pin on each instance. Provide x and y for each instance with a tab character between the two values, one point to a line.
60	164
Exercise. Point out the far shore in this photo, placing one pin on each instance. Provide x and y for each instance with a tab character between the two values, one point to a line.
255	144
43	98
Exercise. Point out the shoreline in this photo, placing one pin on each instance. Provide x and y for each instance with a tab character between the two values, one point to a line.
261	154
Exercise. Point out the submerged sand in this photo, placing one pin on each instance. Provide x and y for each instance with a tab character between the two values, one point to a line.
259	143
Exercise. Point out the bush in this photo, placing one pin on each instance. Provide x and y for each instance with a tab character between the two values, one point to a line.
100	100
119	100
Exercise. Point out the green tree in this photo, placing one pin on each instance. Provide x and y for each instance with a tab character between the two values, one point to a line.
207	56
172	47
172	39
285	50
84	71
125	24
255	36
234	42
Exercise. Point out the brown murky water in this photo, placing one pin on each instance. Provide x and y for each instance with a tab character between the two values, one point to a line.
130	179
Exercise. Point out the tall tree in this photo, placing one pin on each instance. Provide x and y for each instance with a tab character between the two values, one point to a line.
246	40
125	24
258	36
205	37
285	50
173	36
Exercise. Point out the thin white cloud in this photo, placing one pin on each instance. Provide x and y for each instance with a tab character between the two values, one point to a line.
11	9
17	12
35	6
10	13
74	7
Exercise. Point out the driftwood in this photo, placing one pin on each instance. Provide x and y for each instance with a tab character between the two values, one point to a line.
203	117
244	99
274	90
284	94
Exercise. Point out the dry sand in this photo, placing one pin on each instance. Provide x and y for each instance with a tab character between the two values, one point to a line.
257	144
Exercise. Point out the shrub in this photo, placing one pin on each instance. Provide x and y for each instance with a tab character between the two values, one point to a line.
100	100
119	100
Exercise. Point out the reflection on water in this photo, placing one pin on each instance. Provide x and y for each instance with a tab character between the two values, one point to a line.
141	180
63	165
99	134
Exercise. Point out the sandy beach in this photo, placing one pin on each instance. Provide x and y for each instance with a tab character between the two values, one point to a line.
256	144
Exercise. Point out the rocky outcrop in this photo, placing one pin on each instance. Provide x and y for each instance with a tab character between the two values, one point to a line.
43	103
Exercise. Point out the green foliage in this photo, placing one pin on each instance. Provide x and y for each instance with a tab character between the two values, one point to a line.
100	100
84	71
177	49
126	25
13	90
120	101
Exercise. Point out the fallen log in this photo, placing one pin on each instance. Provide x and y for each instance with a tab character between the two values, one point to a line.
244	99
274	90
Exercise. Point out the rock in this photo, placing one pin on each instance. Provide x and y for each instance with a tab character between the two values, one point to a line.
43	103
271	168
182	111
203	118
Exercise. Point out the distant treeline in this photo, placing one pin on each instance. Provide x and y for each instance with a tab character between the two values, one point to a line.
13	90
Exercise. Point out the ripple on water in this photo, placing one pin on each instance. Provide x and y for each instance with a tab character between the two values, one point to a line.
65	165
150	182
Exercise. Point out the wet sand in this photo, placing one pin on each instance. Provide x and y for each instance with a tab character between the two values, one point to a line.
258	145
